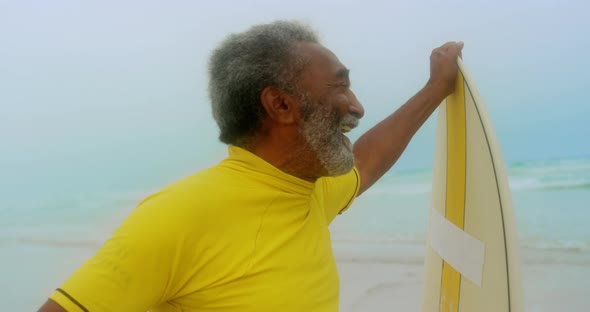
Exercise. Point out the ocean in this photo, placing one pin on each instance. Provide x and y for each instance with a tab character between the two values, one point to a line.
43	239
551	199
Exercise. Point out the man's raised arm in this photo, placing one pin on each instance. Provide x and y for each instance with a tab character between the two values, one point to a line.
51	306
380	147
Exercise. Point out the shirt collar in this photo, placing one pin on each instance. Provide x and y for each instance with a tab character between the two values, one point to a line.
243	160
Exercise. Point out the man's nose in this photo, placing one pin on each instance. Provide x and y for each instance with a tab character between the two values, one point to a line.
355	108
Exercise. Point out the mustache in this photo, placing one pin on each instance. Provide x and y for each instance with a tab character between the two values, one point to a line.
349	121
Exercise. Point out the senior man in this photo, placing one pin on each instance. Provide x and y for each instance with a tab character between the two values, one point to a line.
251	234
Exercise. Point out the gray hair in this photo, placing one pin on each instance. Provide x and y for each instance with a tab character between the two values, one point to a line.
246	63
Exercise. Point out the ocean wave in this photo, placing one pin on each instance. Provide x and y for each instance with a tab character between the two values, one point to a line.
524	178
54	242
403	259
531	183
550	166
516	184
385	259
567	246
560	174
55	235
400	188
561	246
407	240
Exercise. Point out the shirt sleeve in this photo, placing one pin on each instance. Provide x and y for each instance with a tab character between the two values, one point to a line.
338	193
133	271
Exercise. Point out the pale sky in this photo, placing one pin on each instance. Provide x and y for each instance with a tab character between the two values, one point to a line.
120	86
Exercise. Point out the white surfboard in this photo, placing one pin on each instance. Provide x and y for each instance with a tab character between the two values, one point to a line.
472	261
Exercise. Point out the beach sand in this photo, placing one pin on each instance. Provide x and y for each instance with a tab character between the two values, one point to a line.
550	281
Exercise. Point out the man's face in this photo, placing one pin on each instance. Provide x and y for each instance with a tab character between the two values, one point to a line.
329	109
323	129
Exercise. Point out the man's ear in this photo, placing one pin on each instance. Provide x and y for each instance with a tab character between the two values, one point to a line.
280	106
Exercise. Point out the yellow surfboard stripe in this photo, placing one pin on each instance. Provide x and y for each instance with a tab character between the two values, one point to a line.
455	197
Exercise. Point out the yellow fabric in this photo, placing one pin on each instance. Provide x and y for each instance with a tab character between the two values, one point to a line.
241	236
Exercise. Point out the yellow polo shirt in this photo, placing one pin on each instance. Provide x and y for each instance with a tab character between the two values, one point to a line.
240	236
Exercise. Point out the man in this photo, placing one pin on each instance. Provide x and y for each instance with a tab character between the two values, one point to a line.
251	234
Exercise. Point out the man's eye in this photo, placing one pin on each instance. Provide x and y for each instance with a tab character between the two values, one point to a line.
341	85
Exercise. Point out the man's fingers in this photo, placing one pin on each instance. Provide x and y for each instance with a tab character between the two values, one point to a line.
460	46
447	45
454	47
451	48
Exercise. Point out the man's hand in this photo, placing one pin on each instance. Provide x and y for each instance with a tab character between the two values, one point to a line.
443	67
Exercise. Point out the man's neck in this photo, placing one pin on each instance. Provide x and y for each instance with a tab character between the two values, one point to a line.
289	154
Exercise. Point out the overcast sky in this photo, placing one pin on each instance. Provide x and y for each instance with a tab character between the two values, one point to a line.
122	84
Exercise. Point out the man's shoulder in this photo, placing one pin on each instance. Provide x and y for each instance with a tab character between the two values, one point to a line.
199	192
186	203
209	182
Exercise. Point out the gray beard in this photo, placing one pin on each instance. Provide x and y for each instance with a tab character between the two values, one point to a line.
321	130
